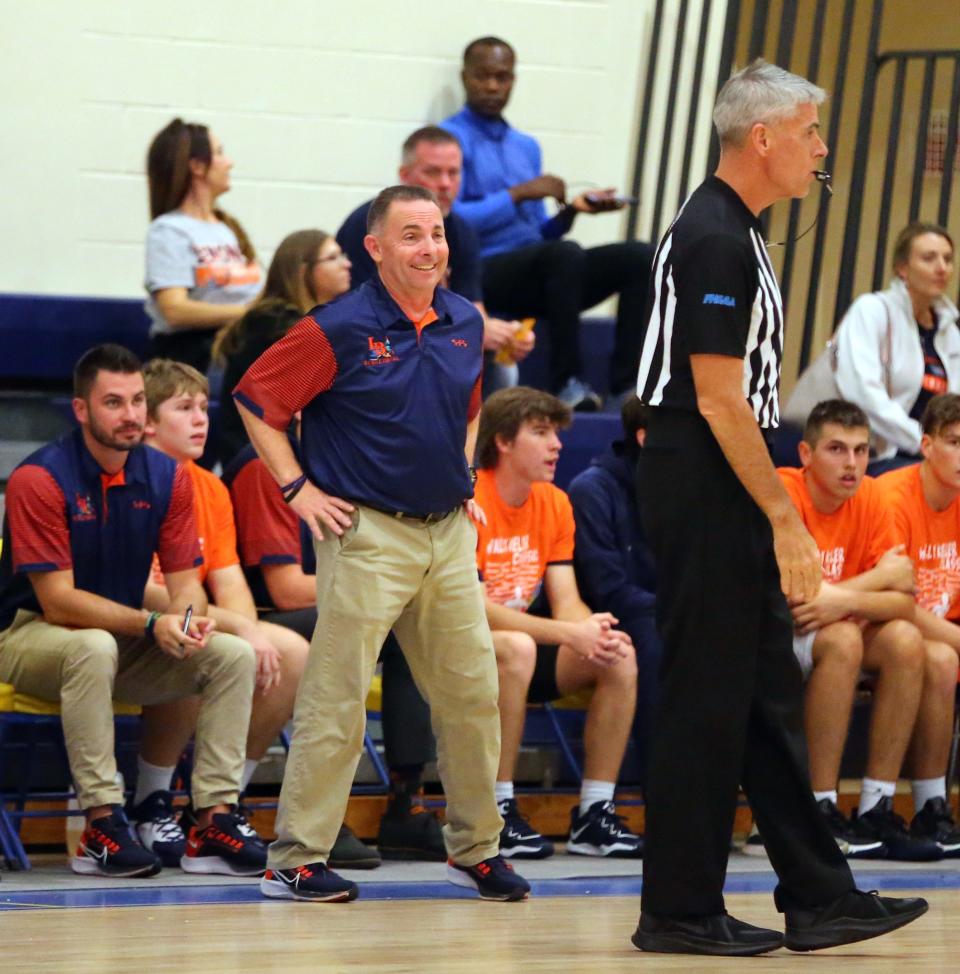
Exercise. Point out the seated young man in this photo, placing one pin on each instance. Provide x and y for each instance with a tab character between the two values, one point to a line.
84	516
613	564
861	620
277	553
525	560
925	501
177	425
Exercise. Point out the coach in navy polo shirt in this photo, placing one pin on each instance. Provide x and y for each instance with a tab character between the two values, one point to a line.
387	380
84	516
431	158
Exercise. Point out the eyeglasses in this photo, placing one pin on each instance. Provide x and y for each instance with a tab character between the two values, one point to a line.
339	255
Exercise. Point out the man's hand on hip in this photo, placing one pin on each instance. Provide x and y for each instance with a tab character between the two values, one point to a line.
316	508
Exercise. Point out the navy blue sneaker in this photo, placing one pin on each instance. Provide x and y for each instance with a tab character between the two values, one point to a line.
108	847
518	839
493	879
883	824
314	882
228	846
158	829
935	822
600	831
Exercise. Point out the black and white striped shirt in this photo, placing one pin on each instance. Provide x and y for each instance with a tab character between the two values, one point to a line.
714	293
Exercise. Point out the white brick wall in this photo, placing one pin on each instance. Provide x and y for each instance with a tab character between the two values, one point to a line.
311	97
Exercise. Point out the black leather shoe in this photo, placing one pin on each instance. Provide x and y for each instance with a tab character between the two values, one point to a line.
854	916
719	934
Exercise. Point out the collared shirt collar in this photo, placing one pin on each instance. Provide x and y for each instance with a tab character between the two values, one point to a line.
388	312
92	471
492	128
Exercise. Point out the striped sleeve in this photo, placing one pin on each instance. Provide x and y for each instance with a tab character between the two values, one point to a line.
289	374
178	547
37	514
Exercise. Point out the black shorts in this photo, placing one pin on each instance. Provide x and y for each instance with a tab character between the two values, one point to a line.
543	686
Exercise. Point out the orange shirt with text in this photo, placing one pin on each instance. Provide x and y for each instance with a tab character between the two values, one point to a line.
931	538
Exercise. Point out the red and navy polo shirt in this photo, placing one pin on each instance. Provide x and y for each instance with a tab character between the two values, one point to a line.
385	404
268	529
63	512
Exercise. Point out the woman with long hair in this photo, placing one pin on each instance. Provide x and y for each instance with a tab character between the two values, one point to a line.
201	269
308	269
898	348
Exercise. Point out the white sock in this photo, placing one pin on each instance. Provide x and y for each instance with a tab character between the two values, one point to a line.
503	791
820	795
249	766
926	788
593	791
871	791
151	778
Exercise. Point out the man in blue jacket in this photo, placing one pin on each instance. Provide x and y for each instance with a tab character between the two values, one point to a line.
528	270
613	564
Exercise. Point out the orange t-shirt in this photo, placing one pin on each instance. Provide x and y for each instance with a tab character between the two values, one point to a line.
517	544
931	538
217	532
852	539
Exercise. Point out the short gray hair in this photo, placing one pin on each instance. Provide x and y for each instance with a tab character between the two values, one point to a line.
761	92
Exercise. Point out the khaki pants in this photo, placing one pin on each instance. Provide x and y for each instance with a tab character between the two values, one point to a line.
421	581
84	669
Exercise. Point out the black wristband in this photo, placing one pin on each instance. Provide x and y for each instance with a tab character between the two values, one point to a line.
151	622
294	489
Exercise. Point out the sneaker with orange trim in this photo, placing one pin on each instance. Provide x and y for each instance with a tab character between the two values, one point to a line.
493	879
109	847
228	846
313	882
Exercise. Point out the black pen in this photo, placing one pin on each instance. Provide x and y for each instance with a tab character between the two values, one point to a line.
187	616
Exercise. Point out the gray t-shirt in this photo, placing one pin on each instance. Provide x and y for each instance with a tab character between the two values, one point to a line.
202	256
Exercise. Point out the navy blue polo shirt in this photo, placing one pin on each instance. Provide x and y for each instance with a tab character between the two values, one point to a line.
63	512
385	406
464	252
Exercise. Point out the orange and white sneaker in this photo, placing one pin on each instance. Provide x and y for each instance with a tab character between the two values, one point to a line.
228	846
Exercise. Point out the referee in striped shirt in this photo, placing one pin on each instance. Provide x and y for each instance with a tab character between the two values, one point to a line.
731	553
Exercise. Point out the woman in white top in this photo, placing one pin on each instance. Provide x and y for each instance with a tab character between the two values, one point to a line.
201	269
898	348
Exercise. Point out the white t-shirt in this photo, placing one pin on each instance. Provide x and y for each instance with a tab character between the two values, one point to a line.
202	256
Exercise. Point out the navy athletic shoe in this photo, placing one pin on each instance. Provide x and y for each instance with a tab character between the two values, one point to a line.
518	839
108	847
228	846
935	822
158	829
314	883
601	832
493	879
883	824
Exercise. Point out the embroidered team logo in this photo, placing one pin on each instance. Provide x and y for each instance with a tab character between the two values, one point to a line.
460	342
84	508
379	353
141	505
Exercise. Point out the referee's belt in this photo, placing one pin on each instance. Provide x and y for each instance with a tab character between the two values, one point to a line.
431	518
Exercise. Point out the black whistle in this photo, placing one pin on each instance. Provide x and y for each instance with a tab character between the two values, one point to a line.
822	176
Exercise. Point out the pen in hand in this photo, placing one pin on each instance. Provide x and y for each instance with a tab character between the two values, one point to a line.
187	616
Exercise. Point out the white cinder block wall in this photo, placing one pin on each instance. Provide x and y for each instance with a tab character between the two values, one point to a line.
311	97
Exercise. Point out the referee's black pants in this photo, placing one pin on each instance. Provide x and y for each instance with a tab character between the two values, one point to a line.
729	711
558	279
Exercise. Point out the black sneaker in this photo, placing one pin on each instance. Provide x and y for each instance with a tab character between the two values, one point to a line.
850	918
753	844
158	829
349	852
519	839
719	934
314	882
410	832
935	822
853	844
108	847
228	846
882	824
600	831
493	879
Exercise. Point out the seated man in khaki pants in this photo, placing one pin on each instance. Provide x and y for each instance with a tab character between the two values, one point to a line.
84	516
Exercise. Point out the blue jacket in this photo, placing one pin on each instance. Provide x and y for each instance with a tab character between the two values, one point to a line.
497	156
614	567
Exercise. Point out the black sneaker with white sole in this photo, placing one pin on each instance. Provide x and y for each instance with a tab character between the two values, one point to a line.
228	846
519	839
883	824
108	847
493	879
934	822
158	829
313	883
853	843
600	831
